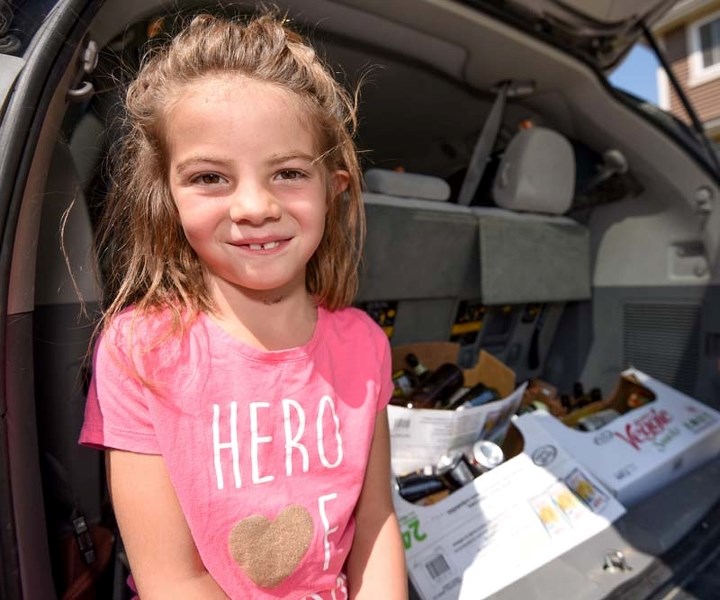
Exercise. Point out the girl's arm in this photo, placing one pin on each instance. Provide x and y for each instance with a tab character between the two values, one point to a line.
163	557
376	564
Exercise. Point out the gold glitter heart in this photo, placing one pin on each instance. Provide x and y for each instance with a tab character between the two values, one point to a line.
269	551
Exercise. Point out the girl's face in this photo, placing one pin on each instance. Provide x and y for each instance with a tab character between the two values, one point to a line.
251	199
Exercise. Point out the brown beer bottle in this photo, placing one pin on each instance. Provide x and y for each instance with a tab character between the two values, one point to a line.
579	398
402	384
438	387
419	371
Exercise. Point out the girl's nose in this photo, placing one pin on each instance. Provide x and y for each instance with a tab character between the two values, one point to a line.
254	204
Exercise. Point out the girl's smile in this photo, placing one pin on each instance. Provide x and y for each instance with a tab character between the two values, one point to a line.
266	245
250	194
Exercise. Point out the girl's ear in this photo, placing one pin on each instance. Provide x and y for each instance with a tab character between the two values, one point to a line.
340	182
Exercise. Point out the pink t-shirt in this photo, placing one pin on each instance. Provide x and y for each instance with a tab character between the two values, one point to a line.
266	450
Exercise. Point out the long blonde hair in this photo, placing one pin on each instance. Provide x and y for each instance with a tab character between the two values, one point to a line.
149	263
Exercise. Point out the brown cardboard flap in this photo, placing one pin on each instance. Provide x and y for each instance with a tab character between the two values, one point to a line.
488	369
493	373
628	394
431	354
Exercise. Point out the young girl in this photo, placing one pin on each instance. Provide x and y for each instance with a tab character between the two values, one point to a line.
240	401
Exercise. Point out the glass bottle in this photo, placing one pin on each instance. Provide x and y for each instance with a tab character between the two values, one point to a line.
477	395
437	388
418	370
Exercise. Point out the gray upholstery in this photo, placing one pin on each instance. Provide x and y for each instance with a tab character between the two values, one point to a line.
526	257
63	330
417	249
421	249
406	185
532	260
537	173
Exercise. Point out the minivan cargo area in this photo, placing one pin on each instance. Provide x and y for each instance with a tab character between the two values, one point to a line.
517	206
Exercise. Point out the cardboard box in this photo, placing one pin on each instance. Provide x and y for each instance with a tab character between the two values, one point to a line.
488	369
419	437
647	448
506	523
510	520
545	393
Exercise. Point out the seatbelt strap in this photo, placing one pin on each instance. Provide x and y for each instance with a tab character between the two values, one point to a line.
65	497
483	147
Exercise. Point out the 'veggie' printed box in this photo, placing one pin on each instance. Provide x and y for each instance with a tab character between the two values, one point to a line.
647	448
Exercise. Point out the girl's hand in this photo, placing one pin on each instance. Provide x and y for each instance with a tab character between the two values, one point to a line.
376	564
163	557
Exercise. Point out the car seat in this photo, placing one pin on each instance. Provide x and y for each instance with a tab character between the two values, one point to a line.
529	251
66	307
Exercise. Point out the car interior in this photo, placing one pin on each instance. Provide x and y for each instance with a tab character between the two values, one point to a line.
580	232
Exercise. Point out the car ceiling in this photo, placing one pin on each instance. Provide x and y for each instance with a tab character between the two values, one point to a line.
425	70
430	66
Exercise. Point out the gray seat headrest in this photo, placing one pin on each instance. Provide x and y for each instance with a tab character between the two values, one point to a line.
537	173
406	185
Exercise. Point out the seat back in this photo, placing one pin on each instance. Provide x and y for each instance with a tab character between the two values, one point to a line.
529	252
420	255
63	331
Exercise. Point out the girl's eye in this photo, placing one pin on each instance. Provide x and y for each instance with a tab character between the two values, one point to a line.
290	174
208	179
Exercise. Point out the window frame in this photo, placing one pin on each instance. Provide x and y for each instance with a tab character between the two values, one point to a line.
698	73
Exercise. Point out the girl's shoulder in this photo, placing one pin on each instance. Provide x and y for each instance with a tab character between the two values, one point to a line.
147	329
135	321
144	342
357	324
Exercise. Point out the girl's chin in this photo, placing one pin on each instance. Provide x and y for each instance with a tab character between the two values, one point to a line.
268	292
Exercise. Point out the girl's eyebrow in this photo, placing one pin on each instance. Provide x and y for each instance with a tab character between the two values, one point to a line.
293	155
222	162
194	160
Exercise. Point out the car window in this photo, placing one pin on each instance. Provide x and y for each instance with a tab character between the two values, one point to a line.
636	80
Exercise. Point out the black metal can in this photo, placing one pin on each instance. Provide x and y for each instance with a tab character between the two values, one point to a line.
416	486
455	470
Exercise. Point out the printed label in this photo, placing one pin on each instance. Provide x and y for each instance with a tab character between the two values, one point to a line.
646	428
410	529
592	496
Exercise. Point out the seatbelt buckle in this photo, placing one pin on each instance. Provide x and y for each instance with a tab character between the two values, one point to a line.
84	541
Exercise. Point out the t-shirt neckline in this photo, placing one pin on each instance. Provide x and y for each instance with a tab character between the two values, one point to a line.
218	333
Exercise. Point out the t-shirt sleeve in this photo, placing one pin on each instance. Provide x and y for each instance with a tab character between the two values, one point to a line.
116	413
386	384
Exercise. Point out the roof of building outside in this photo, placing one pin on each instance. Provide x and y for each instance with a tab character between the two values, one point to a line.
683	12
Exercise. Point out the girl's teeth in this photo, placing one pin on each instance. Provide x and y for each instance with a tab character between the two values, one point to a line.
268	246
